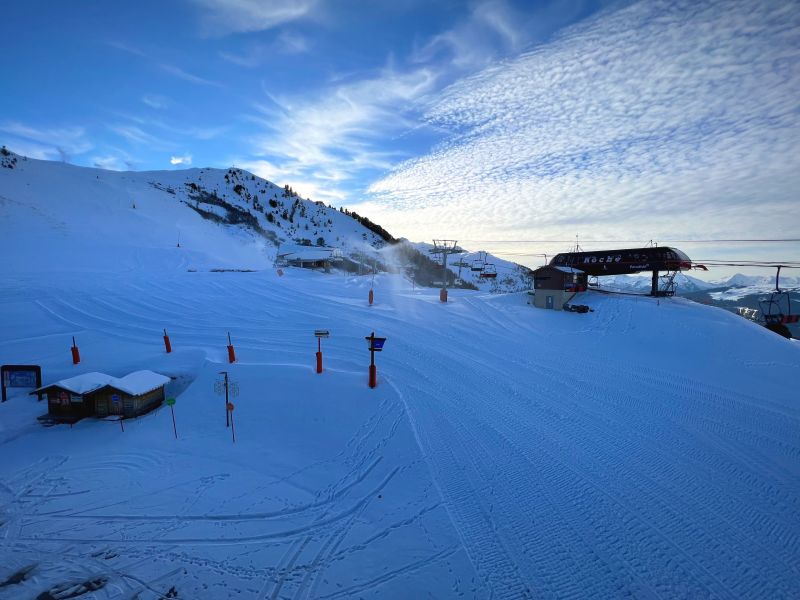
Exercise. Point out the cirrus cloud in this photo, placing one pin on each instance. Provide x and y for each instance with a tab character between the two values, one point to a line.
653	119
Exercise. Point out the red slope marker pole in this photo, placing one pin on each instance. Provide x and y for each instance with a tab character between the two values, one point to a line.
319	355
167	344
231	352
76	354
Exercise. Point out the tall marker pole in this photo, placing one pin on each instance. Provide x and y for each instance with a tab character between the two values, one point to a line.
227	421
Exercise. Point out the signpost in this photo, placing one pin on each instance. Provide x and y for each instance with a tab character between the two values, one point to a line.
171	404
29	376
375	344
319	334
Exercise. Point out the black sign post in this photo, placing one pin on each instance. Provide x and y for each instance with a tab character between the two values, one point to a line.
29	376
375	345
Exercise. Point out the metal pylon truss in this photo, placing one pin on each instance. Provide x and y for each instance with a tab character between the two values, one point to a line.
445	247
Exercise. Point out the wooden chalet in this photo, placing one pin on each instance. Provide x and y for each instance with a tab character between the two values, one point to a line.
308	257
101	395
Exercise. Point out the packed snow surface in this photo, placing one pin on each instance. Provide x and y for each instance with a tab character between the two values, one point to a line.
648	449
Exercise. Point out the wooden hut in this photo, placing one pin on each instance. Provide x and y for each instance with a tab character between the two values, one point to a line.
308	257
130	396
554	286
98	394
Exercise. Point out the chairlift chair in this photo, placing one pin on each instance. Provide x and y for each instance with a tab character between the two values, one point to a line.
489	271
775	316
477	265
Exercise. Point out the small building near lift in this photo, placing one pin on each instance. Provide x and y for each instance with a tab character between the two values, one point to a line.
554	286
100	395
308	257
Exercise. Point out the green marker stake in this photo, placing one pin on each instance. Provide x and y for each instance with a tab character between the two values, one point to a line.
171	404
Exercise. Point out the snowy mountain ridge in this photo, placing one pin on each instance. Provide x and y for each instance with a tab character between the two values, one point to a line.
133	216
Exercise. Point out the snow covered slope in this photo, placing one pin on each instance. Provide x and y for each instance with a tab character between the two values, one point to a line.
60	217
647	449
511	277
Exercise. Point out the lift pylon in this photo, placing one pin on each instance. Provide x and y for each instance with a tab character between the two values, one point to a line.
445	247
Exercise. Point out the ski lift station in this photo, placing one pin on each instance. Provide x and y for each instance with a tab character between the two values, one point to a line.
308	257
101	395
554	286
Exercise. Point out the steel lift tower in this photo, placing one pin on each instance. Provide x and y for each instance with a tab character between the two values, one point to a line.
445	247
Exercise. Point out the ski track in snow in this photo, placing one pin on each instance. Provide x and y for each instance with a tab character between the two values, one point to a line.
501	457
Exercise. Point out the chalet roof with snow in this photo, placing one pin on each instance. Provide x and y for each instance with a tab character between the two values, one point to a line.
308	253
134	384
81	384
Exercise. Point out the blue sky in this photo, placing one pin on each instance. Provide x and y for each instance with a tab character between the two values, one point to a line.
478	120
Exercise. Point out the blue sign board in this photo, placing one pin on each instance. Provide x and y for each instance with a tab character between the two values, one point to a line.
115	398
377	343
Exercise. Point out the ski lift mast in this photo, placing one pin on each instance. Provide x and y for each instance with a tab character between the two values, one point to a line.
445	247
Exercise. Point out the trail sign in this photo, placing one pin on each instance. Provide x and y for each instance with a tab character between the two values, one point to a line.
322	333
170	401
375	344
29	376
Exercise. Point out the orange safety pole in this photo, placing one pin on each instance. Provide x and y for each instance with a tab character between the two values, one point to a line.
373	376
371	297
319	355
167	344
76	355
231	352
443	295
233	430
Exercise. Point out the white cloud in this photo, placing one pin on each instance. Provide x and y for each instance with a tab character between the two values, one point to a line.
325	140
649	121
491	28
232	16
254	55
46	143
155	101
186	76
186	159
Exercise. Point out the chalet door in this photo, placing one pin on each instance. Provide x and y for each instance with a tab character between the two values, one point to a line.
115	405
101	406
549	301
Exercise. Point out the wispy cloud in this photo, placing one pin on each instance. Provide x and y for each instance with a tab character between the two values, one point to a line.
254	55
60	143
331	137
491	28
155	101
650	120
220	17
186	76
186	159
